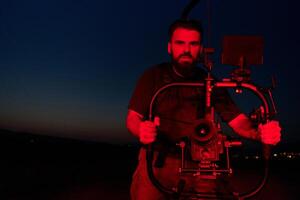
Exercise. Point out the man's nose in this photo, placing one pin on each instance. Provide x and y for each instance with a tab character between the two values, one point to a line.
187	48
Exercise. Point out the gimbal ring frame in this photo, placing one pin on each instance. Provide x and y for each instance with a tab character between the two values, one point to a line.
266	148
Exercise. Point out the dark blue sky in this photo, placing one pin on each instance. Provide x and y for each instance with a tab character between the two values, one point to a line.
68	67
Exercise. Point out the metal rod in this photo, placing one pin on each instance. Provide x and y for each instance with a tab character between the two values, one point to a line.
228	84
204	170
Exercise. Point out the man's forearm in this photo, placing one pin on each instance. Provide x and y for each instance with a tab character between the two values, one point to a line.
243	126
133	121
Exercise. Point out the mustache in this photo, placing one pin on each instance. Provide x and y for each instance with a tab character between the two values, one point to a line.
185	54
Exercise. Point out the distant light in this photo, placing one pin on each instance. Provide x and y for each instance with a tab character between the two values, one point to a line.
275	155
256	157
238	91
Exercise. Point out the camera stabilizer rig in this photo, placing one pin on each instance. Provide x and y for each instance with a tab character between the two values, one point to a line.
206	143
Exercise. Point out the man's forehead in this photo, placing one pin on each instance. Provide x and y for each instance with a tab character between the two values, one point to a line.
186	34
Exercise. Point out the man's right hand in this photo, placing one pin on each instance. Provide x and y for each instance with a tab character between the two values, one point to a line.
148	131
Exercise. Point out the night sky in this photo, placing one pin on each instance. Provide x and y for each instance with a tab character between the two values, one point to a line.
68	67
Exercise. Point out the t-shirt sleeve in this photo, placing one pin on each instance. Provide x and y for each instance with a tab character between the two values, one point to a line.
142	94
224	105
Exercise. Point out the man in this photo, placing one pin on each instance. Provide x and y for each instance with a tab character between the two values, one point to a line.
177	109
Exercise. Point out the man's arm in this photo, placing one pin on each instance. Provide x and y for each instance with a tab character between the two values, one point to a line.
268	133
243	126
133	121
146	131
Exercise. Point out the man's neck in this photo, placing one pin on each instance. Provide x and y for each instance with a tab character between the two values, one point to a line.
183	72
176	72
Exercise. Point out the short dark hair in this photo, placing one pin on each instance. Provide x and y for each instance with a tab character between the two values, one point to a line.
191	24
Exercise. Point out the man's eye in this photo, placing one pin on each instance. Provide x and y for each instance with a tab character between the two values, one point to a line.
195	43
179	42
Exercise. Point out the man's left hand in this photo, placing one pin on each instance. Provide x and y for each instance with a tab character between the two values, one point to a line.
270	132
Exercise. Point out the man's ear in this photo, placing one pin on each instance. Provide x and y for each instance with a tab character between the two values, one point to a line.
169	48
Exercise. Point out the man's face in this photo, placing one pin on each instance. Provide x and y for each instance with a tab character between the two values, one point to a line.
185	47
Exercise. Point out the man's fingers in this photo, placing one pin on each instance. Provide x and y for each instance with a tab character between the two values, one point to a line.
270	132
148	125
147	141
148	131
148	138
156	121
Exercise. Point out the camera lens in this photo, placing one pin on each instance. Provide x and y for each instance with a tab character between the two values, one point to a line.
202	130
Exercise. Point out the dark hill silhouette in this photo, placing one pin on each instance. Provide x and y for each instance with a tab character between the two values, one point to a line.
50	168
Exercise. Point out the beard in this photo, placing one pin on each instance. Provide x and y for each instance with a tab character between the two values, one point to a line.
185	68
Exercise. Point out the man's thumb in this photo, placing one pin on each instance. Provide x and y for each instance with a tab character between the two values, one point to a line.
156	121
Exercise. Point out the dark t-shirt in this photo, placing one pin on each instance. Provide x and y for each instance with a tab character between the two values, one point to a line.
180	107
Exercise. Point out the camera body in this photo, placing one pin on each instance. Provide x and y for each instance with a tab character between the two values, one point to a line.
206	142
209	151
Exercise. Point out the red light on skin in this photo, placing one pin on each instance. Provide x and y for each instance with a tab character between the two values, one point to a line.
182	58
185	46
